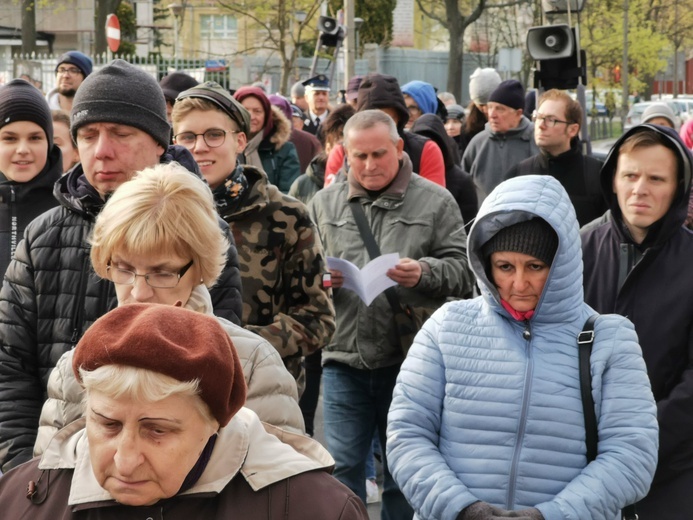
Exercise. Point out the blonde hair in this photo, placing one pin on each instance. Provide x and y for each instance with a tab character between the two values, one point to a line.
162	209
186	105
139	384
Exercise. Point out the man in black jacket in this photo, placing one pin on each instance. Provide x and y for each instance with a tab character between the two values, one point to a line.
556	130
50	295
637	264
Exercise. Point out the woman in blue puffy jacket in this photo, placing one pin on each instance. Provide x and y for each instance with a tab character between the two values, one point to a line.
487	420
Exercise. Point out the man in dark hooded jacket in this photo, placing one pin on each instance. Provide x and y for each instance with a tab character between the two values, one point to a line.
637	264
457	181
50	295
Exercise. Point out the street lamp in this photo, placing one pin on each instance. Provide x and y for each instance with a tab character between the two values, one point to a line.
358	22
176	10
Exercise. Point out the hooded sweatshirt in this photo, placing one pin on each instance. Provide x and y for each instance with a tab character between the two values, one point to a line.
651	284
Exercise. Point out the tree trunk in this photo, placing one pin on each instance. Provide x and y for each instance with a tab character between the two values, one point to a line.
28	26
103	9
455	63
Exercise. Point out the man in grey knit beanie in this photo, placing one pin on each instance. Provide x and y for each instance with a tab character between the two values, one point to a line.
119	123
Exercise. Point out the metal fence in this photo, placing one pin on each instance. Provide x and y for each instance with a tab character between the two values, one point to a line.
404	64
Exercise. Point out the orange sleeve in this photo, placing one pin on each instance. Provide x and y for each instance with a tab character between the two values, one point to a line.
432	165
335	161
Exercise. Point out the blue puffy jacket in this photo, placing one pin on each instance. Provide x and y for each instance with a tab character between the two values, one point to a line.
488	408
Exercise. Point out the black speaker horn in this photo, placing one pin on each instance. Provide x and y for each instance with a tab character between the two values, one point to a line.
327	25
550	42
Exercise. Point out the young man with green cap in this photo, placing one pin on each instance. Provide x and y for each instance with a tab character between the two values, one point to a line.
281	256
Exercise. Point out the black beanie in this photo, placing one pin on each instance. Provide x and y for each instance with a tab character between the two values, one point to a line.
510	93
532	237
124	94
21	101
175	83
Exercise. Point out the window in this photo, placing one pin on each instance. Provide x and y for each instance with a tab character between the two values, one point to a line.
218	26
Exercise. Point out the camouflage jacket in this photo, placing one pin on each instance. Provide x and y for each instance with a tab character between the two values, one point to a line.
282	264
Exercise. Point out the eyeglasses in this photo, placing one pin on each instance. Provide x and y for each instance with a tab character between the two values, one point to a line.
158	280
68	70
549	120
212	138
413	109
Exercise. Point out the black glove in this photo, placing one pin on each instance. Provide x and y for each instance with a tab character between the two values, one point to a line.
480	511
523	514
484	511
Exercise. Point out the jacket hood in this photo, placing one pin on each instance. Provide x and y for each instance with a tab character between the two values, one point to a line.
74	192
381	91
520	199
661	230
431	126
281	128
424	94
519	129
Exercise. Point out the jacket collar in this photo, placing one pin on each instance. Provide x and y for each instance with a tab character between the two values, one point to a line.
261	453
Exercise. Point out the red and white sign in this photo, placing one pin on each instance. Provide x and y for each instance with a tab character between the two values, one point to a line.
113	32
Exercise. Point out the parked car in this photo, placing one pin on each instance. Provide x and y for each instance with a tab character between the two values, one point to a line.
634	115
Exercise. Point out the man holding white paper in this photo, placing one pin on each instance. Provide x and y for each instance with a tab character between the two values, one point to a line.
404	214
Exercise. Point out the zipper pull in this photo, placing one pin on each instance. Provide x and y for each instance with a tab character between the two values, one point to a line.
527	334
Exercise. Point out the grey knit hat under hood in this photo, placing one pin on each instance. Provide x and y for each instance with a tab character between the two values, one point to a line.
533	237
124	94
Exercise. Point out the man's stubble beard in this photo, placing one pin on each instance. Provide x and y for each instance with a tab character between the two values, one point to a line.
69	92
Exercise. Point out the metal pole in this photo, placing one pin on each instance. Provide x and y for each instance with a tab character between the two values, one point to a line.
349	42
624	65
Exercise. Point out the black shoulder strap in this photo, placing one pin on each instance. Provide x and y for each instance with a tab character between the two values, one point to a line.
364	229
372	248
585	342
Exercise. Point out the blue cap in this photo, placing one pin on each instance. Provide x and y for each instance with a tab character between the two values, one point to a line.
297	112
319	82
78	59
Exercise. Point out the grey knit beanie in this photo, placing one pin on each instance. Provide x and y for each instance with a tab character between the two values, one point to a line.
21	101
481	83
533	237
124	94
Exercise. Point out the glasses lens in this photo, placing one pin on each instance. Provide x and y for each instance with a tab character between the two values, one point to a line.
162	280
186	139
121	276
214	137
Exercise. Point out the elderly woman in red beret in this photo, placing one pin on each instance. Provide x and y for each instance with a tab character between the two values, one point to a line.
165	435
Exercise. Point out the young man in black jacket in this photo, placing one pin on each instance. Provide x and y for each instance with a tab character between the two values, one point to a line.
556	129
637	264
50	295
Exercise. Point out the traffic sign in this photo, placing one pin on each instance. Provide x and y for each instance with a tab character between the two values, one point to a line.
113	32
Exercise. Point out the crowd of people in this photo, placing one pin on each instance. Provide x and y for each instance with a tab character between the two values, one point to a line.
177	295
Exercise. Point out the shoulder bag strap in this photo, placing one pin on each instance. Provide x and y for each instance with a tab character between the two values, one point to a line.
372	248
585	342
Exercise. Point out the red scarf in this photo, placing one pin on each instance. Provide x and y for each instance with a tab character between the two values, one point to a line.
518	315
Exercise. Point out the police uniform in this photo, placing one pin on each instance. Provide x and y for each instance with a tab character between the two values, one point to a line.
319	82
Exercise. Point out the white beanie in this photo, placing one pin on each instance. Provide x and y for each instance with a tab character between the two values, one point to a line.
481	83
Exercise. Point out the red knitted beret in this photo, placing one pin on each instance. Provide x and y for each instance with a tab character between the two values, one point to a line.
176	342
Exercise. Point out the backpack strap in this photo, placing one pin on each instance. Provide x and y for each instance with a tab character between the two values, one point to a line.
585	341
